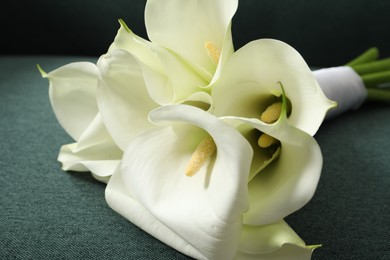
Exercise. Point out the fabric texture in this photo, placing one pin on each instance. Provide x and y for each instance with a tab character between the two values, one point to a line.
50	214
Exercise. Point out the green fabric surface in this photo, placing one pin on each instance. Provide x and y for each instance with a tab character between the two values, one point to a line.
49	214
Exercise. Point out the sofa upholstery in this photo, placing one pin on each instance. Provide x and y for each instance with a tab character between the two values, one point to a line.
49	214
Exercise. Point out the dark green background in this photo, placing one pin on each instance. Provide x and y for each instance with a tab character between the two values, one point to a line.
48	214
327	33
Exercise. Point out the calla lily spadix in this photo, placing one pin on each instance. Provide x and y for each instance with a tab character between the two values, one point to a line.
216	213
72	93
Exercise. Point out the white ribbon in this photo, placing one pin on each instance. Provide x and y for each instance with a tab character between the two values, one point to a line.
343	85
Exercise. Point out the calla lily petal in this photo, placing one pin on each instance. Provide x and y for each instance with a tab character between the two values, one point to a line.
204	210
73	89
181	77
168	78
268	238
250	78
226	52
185	26
289	182
122	97
140	48
120	199
286	252
95	151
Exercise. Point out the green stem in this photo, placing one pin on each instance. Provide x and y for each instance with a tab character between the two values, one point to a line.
378	95
374	73
372	67
375	79
368	56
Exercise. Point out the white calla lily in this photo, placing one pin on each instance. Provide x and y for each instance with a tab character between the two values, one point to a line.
287	184
249	83
183	57
72	93
187	27
166	77
122	97
201	215
137	75
95	152
204	211
73	89
125	101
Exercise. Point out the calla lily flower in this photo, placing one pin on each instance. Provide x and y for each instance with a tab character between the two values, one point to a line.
190	41
122	96
198	31
72	93
249	84
176	66
216	213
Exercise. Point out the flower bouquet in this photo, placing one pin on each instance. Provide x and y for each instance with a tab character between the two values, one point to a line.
205	147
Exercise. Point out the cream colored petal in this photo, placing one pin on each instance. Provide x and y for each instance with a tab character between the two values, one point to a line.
268	238
262	157
176	83
226	52
72	95
185	26
286	252
95	151
120	199
168	78
289	182
204	210
252	75
138	47
122	97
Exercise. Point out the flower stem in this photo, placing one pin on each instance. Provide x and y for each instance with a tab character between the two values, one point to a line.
372	67
374	73
373	80
378	95
369	55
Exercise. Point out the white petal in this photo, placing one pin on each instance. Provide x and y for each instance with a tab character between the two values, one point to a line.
289	182
137	46
122	97
205	210
181	78
251	77
95	152
185	26
73	96
119	198
268	238
261	157
226	52
286	252
167	78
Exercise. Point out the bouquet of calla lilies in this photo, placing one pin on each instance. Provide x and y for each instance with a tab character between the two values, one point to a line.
205	147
